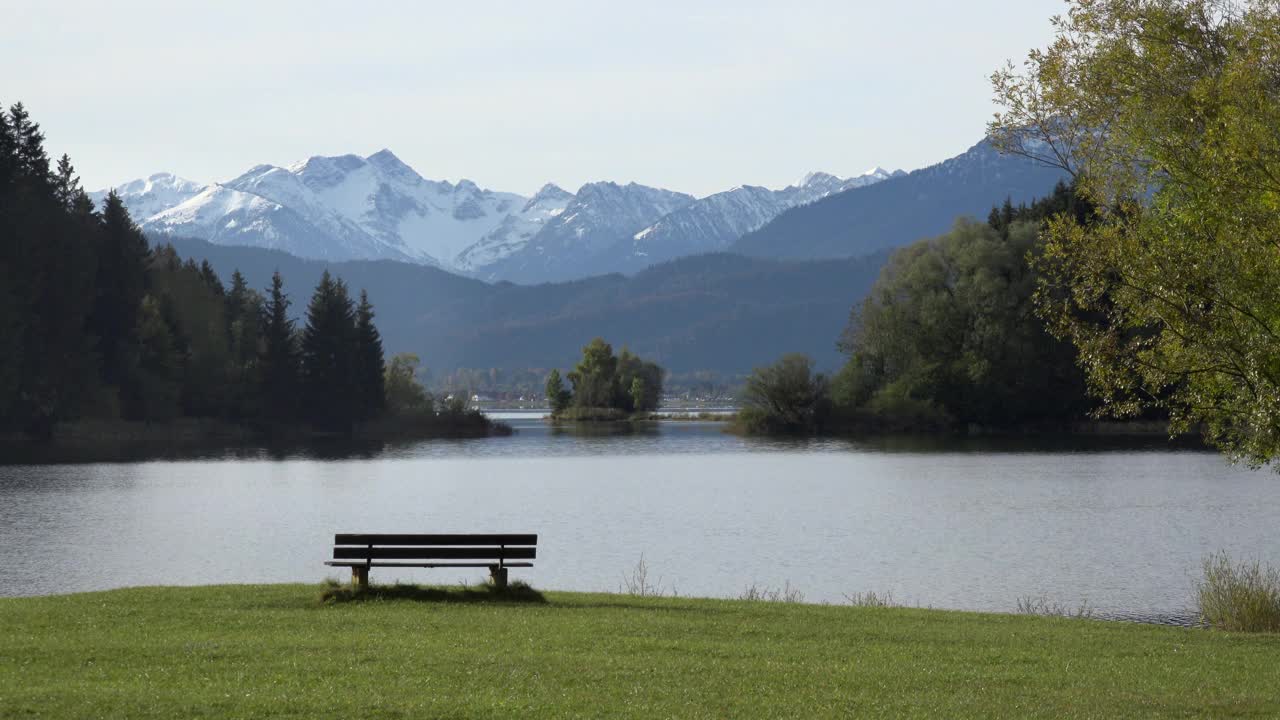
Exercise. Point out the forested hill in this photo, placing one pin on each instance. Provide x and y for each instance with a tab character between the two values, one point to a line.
901	210
719	312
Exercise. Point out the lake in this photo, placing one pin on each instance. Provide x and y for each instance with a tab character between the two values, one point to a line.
968	525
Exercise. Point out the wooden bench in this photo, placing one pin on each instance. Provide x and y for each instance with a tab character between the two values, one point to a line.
363	551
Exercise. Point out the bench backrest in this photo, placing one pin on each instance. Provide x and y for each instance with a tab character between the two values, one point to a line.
499	548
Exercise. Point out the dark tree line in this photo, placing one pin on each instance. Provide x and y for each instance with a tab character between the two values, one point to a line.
95	324
948	338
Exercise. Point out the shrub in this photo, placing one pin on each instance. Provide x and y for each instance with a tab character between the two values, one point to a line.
871	599
786	397
638	584
764	593
1043	606
1243	597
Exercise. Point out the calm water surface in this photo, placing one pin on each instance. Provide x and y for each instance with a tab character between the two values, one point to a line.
971	527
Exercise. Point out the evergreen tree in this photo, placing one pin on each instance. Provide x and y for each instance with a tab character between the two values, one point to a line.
196	312
28	143
14	316
557	396
278	363
210	278
84	302
65	182
370	363
244	329
121	283
46	365
154	392
329	381
236	297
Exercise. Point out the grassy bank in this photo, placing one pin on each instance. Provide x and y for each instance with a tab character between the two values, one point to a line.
278	651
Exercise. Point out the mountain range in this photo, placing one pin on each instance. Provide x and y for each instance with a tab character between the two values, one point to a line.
723	283
377	207
720	312
902	209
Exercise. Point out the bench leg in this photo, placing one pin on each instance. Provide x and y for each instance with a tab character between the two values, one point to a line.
498	576
359	577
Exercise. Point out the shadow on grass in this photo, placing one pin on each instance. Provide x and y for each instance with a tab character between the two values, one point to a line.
516	592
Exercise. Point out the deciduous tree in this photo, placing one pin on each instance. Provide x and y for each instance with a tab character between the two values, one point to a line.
1168	113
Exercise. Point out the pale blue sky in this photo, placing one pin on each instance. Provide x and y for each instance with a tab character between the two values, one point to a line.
691	96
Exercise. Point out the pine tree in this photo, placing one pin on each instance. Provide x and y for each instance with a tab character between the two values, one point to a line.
371	364
244	329
278	363
46	365
8	154
154	392
329	382
13	311
211	279
243	315
121	283
557	397
29	146
65	183
236	297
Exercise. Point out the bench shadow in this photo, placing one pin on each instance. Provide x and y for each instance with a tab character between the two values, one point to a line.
516	592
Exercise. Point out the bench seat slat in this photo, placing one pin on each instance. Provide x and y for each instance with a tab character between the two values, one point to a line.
433	553
349	563
425	540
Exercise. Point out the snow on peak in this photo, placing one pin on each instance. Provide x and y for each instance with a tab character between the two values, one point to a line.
377	206
155	193
344	206
550	191
393	167
817	177
385	158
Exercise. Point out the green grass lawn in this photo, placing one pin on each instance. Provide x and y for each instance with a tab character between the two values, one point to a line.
278	651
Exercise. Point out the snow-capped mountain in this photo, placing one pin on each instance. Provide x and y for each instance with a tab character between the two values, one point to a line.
228	215
576	242
516	229
377	207
713	223
145	197
343	207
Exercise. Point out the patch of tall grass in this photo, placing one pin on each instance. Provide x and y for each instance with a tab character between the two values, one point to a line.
764	593
1242	597
638	582
871	599
1043	606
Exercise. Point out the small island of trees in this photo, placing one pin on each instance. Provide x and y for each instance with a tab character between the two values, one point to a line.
604	386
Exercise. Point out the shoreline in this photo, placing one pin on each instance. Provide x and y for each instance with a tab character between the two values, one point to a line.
111	441
203	439
1186	619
